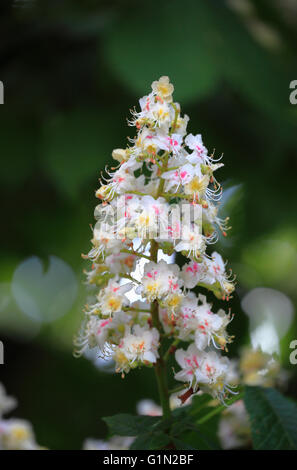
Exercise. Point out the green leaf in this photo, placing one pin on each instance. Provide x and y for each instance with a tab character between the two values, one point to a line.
199	403
204	412
200	429
202	437
181	426
129	425
186	428
181	445
273	419
151	441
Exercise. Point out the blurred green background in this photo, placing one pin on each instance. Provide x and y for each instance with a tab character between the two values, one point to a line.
71	72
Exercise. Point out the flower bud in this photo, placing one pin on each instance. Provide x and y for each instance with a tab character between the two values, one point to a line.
120	155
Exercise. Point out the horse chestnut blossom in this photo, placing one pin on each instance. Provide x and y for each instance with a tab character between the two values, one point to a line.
161	198
15	434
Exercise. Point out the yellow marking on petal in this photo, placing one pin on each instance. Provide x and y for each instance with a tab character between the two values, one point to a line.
20	433
174	300
114	303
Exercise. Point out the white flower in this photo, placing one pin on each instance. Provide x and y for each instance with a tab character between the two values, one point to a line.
204	370
234	427
114	443
151	217
179	176
210	217
160	113
199	155
143	118
160	280
181	124
111	299
217	274
121	263
216	266
122	181
192	241
170	143
121	155
93	334
199	323
132	164
193	273
259	368
94	274
6	403
17	434
209	272
148	408
197	187
146	142
102	333
136	348
189	361
163	88
104	242
126	207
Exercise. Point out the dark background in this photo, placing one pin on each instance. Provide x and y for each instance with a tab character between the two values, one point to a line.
71	72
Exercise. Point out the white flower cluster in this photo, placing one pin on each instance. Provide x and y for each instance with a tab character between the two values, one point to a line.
15	434
114	443
163	172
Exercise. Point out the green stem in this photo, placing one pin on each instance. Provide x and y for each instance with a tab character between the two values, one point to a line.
138	193
165	157
218	409
161	376
134	309
127	276
169	350
180	388
175	195
171	168
160	366
135	253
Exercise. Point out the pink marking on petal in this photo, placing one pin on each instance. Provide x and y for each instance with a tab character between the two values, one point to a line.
195	361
